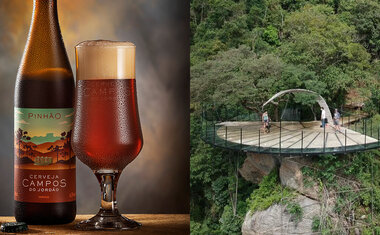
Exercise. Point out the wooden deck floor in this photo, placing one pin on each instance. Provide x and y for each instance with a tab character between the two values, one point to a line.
291	136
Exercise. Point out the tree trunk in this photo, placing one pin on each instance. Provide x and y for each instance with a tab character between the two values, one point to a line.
312	110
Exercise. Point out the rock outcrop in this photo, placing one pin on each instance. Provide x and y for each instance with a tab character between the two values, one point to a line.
256	166
277	220
291	176
309	196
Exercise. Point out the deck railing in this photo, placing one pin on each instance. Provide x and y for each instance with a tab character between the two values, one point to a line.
240	129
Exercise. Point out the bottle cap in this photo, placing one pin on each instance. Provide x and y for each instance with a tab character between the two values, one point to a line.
14	227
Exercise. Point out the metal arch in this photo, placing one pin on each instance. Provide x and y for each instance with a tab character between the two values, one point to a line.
320	100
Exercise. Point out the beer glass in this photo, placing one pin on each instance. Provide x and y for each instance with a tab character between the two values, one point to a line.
107	134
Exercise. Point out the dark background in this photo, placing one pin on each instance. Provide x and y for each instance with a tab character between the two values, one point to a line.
157	181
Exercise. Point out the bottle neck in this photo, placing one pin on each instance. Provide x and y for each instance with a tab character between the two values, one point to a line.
45	48
45	18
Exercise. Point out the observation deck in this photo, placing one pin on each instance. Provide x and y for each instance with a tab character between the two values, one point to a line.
240	129
293	138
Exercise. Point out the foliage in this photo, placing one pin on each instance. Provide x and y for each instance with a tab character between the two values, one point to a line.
295	210
231	224
269	192
239	76
372	104
377	230
316	223
357	167
317	38
365	17
205	227
270	35
211	181
312	48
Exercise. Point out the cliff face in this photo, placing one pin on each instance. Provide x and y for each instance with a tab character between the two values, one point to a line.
256	166
277	219
315	205
291	176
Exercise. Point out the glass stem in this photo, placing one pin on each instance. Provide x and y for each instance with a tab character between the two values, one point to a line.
108	184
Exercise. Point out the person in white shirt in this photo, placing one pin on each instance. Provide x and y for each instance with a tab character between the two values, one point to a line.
323	117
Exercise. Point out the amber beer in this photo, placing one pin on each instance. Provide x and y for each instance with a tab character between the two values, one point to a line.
107	136
44	163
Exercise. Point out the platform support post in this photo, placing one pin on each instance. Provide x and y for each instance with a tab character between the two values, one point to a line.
345	140
259	140
363	126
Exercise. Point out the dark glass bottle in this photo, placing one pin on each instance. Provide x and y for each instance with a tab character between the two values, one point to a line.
44	161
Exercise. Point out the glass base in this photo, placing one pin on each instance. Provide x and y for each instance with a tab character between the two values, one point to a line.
108	220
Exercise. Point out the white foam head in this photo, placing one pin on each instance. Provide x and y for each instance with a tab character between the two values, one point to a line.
105	43
103	59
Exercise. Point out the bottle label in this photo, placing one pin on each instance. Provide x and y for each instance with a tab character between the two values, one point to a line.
44	163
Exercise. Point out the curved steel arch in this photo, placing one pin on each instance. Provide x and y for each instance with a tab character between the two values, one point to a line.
320	100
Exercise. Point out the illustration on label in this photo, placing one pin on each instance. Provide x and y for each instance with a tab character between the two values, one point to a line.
44	161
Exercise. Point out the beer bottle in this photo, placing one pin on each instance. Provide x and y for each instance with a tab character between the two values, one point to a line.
44	163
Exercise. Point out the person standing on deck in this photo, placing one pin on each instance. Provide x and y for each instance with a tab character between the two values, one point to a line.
265	120
336	120
323	117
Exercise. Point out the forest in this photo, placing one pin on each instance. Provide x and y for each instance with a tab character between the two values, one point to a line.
245	51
